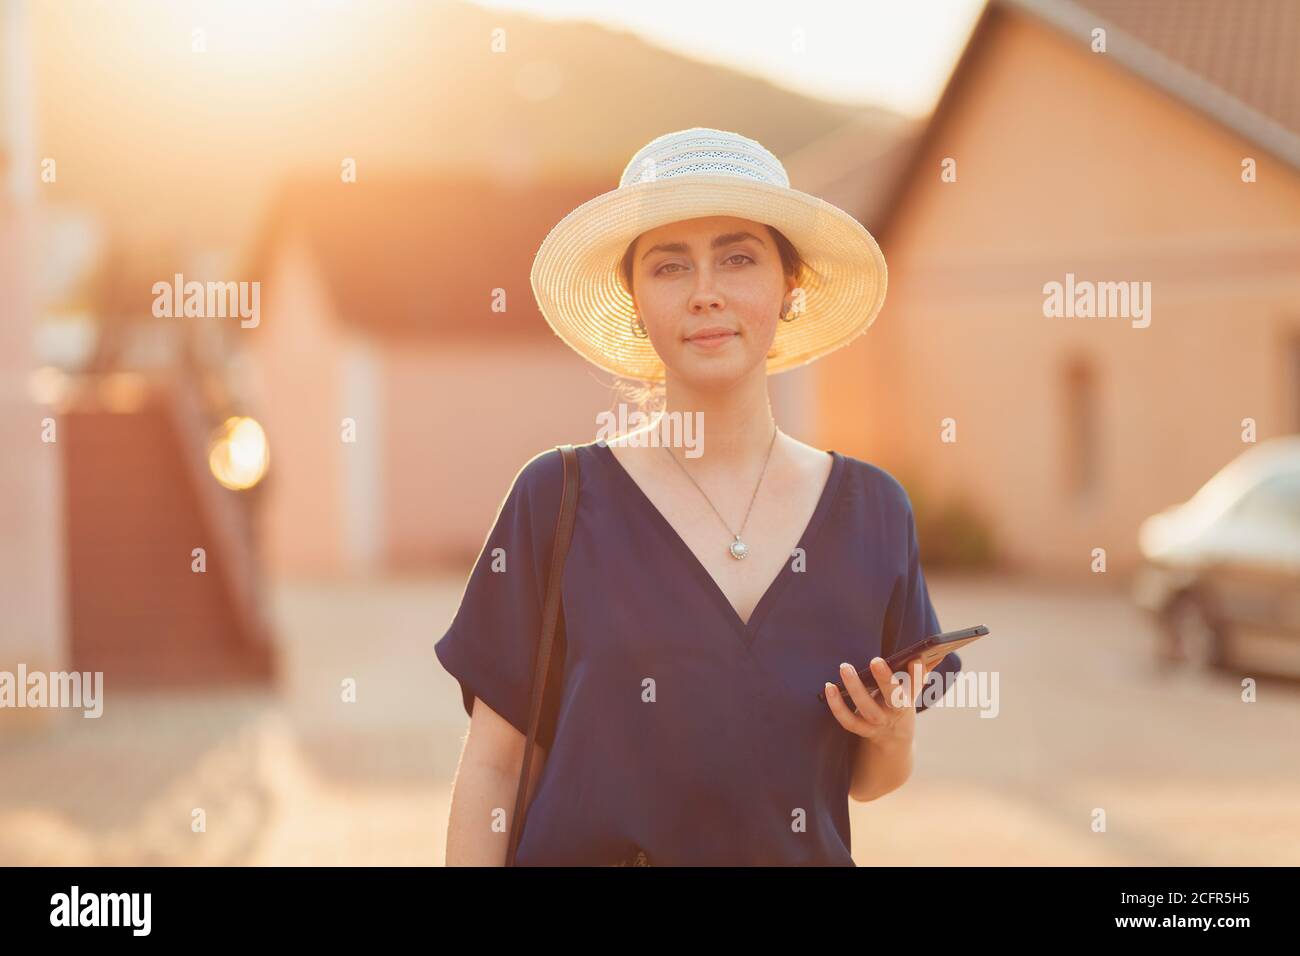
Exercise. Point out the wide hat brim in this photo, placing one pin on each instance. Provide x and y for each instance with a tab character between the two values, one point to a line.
575	272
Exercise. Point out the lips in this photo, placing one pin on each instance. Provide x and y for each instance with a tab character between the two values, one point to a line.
714	333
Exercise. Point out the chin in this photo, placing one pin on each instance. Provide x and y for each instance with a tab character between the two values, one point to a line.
705	373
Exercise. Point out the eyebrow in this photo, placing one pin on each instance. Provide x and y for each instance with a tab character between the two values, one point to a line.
726	239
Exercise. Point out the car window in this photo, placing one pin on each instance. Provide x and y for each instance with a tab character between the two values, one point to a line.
1275	500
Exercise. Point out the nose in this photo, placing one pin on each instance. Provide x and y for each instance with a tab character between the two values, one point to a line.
705	296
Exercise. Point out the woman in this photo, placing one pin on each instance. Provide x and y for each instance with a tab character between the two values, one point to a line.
709	593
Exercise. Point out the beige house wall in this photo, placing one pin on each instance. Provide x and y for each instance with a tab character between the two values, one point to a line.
1067	163
461	421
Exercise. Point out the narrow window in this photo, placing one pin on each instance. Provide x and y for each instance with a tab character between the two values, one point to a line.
1082	426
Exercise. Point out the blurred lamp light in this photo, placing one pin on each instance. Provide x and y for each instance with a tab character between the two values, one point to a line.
47	385
238	454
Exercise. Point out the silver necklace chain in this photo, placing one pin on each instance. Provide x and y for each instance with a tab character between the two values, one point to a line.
737	549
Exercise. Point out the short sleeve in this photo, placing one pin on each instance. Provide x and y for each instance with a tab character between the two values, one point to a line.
911	616
490	647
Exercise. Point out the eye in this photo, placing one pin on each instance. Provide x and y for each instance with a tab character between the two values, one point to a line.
660	270
737	255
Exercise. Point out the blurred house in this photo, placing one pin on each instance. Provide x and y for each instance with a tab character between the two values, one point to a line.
1118	166
405	372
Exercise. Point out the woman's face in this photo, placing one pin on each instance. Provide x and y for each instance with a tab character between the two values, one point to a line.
720	273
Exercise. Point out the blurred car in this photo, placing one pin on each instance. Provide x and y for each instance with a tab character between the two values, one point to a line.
1221	571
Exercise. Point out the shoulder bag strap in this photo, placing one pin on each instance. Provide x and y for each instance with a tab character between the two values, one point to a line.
550	611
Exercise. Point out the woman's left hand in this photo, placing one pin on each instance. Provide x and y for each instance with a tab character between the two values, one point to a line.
878	721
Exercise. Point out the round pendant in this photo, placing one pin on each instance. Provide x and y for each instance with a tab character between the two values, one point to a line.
738	549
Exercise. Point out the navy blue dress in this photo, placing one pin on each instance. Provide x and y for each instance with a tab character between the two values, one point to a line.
678	728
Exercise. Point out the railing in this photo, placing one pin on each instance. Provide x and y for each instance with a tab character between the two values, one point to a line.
228	514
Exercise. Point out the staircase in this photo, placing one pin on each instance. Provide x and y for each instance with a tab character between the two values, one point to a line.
138	501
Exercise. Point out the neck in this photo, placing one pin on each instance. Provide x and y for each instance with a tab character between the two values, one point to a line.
736	423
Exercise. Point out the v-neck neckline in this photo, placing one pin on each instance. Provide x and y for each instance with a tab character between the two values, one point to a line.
746	630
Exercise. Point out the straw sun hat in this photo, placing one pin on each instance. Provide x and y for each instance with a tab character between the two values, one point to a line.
686	175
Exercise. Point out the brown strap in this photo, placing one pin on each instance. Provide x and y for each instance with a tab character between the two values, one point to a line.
550	611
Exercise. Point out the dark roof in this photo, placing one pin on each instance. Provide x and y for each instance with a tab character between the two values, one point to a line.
412	257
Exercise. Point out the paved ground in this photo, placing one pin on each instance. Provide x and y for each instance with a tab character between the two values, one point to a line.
1185	772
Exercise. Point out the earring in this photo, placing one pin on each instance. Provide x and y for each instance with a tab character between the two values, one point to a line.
638	328
785	311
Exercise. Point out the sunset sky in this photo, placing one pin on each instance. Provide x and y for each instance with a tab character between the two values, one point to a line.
879	52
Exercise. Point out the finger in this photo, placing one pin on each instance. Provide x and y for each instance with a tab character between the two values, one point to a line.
901	688
918	679
925	679
867	707
846	718
892	694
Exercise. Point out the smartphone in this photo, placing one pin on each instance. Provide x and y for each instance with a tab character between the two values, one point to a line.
934	648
